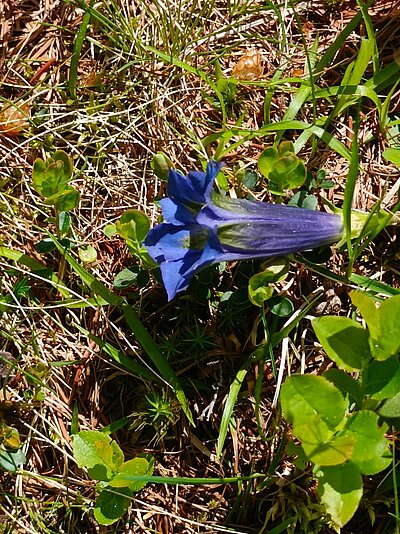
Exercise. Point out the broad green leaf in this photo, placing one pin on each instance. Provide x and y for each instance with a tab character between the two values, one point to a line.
382	379
259	292
320	444
128	471
344	341
10	461
111	505
66	167
383	324
98	453
392	155
110	230
367	309
346	384
388	342
390	411
133	225
51	177
371	450
340	488
304	396
266	161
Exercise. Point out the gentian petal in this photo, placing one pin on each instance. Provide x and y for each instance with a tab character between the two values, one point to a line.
175	213
193	188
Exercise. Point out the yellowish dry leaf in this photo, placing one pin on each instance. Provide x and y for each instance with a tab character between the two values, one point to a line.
14	118
249	67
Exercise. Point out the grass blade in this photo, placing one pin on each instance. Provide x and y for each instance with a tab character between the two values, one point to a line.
122	360
229	406
73	69
162	365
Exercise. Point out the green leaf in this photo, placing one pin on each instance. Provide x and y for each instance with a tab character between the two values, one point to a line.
320	444
63	222
10	461
88	254
344	341
66	165
266	161
304	396
51	177
346	384
125	278
111	505
110	230
371	453
259	288
98	453
383	324
129	469
160	165
388	342
390	411
133	225
340	488
280	306
68	200
382	379
392	155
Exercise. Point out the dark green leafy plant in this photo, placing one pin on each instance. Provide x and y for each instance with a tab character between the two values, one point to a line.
105	462
341	420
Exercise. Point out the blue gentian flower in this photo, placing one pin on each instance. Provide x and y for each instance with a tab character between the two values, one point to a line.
202	227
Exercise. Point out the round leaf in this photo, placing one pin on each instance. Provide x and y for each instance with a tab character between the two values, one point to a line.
304	396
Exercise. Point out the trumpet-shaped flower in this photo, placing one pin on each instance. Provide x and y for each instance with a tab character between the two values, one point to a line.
202	227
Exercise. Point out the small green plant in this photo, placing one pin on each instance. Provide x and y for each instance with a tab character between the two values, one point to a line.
340	420
282	168
105	462
51	178
11	456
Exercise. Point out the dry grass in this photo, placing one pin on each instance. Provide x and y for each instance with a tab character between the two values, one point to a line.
132	104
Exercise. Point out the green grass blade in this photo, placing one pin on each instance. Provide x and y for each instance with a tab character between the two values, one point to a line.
340	40
174	481
122	360
162	365
350	187
80	38
371	34
354	75
229	406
